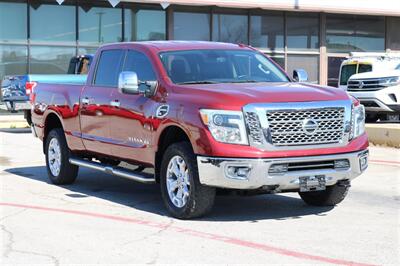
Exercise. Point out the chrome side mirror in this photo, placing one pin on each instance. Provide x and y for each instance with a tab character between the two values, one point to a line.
128	83
300	75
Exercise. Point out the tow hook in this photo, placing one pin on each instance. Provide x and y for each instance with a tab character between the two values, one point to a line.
344	183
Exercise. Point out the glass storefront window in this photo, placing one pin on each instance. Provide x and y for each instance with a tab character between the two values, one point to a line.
61	17
355	33
393	33
50	60
279	59
267	31
87	50
302	31
191	26
99	25
13	60
309	63
144	25
13	18
230	28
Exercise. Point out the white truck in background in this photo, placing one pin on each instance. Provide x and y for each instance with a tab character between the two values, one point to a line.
374	79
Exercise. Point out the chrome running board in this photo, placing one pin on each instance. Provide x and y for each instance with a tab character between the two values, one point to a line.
118	171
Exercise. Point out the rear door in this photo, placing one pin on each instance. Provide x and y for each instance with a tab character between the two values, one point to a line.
131	120
95	102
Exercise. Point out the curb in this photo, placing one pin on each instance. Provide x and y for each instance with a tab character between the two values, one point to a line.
13	124
384	134
12	121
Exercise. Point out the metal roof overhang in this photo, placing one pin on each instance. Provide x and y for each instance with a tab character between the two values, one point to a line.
360	7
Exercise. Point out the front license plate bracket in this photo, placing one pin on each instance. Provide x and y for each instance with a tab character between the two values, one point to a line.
312	183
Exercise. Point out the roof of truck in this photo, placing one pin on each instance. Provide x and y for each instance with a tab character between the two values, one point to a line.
182	45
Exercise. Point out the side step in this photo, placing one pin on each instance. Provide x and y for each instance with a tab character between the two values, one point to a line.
118	171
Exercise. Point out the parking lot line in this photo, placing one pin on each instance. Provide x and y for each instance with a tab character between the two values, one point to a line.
385	162
195	233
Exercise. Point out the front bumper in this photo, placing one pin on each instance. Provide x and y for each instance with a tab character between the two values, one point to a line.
385	100
214	171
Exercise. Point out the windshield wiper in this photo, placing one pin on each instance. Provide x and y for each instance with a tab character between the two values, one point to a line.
245	81
198	82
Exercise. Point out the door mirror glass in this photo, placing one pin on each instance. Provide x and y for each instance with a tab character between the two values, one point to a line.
300	75
128	82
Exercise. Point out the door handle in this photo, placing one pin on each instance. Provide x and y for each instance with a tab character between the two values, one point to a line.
115	103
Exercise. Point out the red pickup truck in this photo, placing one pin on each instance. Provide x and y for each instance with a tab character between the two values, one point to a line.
202	116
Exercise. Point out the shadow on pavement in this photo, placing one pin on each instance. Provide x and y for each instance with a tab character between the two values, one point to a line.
16	130
148	197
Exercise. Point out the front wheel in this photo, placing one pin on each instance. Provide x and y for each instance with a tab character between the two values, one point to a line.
181	190
331	196
371	118
59	170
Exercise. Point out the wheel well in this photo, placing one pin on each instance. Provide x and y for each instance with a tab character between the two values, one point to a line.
170	135
52	122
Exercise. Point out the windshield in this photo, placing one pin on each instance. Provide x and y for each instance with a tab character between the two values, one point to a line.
220	66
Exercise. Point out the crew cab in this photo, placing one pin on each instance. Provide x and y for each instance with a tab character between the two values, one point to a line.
195	117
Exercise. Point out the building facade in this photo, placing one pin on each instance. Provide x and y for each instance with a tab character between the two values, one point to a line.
40	36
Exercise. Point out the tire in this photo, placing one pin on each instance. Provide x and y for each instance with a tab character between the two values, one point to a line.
28	117
371	118
67	172
199	198
330	197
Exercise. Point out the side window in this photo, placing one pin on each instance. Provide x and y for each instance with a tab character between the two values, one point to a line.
138	62
108	68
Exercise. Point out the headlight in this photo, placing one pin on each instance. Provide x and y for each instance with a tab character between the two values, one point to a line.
358	120
390	81
225	126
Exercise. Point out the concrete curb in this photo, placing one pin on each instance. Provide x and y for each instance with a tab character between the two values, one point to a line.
384	134
13	121
13	124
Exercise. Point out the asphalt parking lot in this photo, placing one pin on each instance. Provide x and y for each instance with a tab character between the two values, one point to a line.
108	220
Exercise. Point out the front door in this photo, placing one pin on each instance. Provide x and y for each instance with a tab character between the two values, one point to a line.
96	103
131	122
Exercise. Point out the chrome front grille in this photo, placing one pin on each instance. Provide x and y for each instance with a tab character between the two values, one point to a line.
299	125
287	127
365	85
254	127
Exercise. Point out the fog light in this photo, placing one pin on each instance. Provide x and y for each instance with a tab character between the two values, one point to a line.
342	164
238	172
278	168
363	162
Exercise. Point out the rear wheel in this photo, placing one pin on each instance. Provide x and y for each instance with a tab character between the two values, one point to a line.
59	170
181	190
331	196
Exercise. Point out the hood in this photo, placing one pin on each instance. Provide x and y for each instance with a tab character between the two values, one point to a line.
376	74
236	95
